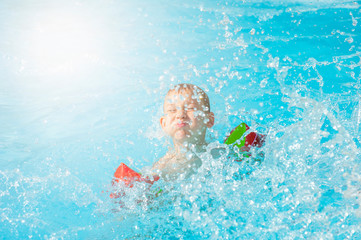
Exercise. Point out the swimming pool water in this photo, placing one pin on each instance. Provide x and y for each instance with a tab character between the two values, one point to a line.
82	85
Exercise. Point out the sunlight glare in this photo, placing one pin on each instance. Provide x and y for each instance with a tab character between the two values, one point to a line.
63	42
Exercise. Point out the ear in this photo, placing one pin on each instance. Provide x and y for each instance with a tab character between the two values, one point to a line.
210	123
162	122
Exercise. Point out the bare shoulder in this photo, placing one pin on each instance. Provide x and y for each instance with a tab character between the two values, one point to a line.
162	162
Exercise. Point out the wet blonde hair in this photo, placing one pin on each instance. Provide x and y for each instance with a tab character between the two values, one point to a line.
195	91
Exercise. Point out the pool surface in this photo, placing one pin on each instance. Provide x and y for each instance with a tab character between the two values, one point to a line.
81	90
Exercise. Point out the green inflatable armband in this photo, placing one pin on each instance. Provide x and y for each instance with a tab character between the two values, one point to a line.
244	143
235	137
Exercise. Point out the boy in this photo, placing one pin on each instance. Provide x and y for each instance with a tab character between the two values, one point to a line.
186	118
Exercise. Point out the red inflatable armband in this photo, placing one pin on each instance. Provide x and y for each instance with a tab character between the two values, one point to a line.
128	176
253	140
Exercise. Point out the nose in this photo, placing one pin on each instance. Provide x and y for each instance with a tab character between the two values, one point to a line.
181	113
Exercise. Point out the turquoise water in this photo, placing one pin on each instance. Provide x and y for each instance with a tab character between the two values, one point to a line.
82	85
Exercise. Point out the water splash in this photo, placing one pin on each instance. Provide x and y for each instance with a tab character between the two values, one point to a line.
290	69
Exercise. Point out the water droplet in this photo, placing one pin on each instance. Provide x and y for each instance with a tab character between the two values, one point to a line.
263	83
349	40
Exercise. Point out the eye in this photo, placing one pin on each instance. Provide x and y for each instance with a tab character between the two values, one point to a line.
171	110
191	108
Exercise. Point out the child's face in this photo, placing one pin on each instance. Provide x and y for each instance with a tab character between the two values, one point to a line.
186	118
